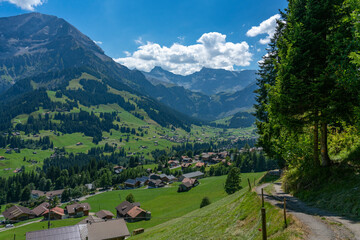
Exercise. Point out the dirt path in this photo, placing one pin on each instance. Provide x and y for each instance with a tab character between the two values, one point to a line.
320	224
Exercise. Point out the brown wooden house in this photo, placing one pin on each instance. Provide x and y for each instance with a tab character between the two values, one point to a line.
18	213
78	209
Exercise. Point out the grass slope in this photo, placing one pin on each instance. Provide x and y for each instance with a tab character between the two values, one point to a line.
166	203
234	217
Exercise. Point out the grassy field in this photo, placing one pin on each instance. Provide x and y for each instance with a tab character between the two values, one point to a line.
235	216
20	232
166	203
15	160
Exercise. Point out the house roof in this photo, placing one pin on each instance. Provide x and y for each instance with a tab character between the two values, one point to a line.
104	213
37	192
91	219
199	164
56	210
16	211
193	174
188	182
125	206
131	181
142	179
47	194
76	232
111	229
54	193
41	208
135	211
72	208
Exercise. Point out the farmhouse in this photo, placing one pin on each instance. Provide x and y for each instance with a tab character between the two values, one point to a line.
143	180
124	207
39	210
185	165
173	163
156	183
78	209
131	212
187	184
38	193
131	183
200	164
167	178
56	213
18	213
104	214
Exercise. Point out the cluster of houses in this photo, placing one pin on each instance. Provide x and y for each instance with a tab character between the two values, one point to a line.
100	225
19	213
152	181
174	139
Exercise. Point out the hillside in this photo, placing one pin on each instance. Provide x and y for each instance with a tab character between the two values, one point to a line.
173	211
236	216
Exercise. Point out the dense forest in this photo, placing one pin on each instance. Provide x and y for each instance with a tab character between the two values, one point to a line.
308	98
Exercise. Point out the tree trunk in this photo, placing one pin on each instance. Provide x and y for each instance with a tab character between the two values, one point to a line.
316	143
325	160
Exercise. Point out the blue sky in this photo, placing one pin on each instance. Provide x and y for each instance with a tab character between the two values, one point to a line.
141	33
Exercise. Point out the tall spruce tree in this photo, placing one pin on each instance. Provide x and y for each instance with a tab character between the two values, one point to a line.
306	85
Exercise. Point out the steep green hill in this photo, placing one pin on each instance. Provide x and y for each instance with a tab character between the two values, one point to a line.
234	217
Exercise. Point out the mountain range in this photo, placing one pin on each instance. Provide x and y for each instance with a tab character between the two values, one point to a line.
208	81
39	51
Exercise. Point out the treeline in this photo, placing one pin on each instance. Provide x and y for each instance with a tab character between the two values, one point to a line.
84	122
309	87
96	93
17	142
71	171
28	103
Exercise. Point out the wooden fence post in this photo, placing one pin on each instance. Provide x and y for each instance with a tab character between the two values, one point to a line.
263	217
262	197
285	212
249	184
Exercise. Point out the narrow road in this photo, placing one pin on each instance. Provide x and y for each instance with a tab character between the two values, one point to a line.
320	224
5	229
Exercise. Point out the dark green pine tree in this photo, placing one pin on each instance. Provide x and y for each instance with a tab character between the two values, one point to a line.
233	181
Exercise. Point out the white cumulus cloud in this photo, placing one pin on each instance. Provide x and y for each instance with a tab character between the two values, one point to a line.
266	27
26	4
98	42
212	51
